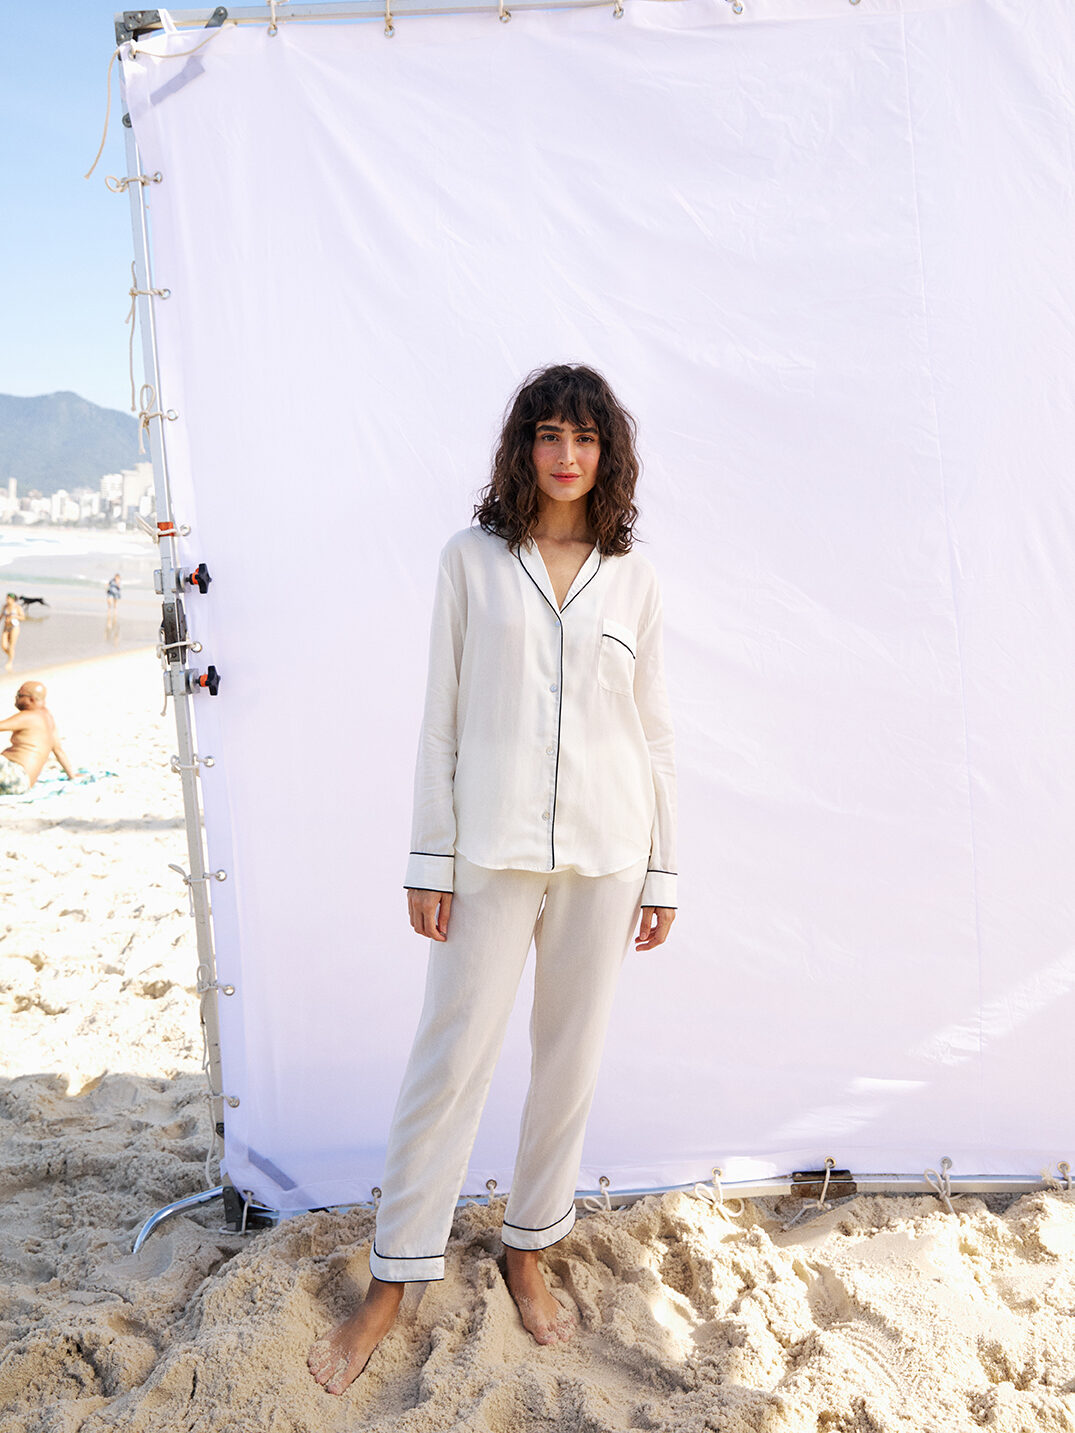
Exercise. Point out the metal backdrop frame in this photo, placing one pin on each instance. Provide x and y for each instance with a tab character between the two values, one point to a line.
181	681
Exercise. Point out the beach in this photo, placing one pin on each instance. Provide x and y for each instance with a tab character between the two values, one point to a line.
69	570
882	1313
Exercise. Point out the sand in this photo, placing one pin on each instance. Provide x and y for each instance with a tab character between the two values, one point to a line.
886	1313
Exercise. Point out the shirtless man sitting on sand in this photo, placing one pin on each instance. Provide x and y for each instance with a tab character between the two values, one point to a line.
33	741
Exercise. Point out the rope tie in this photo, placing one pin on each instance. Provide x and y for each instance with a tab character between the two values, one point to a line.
163	648
601	1203
617	11
830	1165
178	766
132	317
120	186
108	109
146	413
273	27
134	48
215	985
376	1196
503	13
389	28
191	881
941	1184
714	1194
1061	1185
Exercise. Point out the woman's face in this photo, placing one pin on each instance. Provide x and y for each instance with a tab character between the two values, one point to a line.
565	459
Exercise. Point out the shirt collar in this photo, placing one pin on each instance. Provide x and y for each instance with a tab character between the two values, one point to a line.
531	559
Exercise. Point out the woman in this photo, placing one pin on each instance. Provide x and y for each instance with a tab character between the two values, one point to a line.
544	809
11	614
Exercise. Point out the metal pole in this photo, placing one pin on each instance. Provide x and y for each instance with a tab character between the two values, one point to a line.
176	663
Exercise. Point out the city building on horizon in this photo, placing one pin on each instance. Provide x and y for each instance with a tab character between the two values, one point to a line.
119	500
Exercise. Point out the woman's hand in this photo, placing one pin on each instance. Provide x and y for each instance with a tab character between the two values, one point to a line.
654	927
428	911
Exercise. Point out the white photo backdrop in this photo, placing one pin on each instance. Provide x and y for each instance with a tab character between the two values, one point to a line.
823	251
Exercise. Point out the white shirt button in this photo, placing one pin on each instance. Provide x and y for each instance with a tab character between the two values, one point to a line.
550	751
544	816
553	687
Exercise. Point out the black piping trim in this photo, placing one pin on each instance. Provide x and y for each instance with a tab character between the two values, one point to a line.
439	855
656	871
622	643
409	1257
559	708
556	768
526	1229
584	586
435	889
382	1280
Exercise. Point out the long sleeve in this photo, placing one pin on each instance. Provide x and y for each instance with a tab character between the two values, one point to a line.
651	699
431	864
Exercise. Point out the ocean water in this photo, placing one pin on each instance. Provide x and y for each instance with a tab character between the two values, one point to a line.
70	567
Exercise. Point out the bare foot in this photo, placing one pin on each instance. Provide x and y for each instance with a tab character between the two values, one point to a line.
337	1359
542	1316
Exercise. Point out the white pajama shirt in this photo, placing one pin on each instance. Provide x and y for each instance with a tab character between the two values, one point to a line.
547	738
545	802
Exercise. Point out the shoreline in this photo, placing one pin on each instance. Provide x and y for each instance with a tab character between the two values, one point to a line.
64	639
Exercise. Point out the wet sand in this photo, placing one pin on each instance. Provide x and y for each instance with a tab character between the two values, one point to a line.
76	637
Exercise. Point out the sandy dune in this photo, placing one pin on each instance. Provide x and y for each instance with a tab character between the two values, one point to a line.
883	1314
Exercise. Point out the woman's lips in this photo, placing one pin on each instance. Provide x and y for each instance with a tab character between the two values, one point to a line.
566	477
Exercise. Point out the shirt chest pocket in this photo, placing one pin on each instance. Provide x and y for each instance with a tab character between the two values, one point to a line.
616	659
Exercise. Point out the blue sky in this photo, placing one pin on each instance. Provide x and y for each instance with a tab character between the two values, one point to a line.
65	242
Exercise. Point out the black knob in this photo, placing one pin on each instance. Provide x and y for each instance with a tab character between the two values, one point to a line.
200	578
210	680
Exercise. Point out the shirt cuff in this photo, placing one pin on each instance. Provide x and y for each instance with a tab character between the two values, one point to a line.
659	889
427	872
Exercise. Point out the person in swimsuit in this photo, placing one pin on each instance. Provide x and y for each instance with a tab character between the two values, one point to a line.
112	596
11	614
33	741
544	810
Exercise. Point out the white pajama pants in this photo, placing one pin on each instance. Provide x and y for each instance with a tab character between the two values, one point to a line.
581	934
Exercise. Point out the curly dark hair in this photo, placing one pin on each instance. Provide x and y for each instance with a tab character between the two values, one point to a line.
575	394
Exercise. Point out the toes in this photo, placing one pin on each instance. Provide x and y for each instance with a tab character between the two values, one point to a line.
318	1356
338	1380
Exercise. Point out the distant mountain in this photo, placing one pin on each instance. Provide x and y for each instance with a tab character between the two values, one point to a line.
61	441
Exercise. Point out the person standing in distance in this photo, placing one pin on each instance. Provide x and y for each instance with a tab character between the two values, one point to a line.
544	810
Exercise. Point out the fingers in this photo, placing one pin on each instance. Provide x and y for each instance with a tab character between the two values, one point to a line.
654	926
423	907
445	909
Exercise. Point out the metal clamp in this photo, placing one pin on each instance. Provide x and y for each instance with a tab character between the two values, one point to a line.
182	578
183	681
